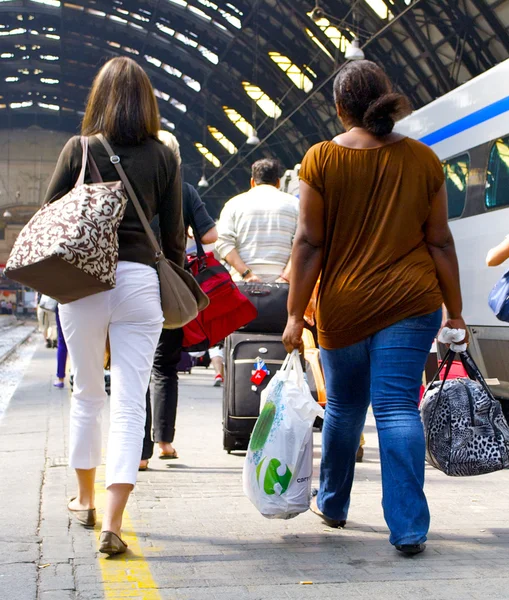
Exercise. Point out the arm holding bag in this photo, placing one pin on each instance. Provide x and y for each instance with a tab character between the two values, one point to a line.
181	296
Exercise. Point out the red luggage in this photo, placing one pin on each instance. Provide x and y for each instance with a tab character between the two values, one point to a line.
228	310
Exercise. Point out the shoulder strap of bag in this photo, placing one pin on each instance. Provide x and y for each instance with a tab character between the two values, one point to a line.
87	158
115	160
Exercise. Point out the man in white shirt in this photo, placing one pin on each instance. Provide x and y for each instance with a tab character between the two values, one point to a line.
256	228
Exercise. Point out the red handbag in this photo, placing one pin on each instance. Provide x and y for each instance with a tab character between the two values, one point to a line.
228	310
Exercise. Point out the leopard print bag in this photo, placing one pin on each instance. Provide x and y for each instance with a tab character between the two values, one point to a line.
466	431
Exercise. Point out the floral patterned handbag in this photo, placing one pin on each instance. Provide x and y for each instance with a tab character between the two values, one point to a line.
69	249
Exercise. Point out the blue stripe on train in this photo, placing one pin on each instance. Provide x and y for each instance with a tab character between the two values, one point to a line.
476	118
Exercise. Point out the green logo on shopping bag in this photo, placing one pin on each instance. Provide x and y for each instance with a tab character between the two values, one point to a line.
273	478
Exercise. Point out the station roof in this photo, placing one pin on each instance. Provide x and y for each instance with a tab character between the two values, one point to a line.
223	68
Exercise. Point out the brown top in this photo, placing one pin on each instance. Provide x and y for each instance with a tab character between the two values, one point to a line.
153	172
377	269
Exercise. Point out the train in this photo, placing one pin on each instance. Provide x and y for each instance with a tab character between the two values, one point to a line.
468	128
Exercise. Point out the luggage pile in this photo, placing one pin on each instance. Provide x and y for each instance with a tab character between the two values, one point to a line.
253	355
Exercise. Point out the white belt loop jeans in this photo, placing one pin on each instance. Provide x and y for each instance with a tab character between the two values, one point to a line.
132	315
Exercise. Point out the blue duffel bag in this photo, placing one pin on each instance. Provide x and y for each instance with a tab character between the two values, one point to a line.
499	298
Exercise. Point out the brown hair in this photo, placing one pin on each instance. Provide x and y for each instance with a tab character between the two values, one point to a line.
121	104
265	171
365	97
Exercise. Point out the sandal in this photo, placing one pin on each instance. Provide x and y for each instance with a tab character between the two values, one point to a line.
143	465
333	523
111	544
86	517
168	455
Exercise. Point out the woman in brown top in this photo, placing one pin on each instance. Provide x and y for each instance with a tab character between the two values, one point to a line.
122	107
373	221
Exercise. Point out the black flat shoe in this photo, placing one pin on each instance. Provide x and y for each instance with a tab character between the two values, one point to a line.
411	549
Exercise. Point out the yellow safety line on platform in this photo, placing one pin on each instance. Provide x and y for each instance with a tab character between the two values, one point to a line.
126	575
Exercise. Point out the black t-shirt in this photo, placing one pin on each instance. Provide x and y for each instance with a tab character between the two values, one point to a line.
193	209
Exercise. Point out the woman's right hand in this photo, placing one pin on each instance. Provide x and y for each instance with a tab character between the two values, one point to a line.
458	323
292	336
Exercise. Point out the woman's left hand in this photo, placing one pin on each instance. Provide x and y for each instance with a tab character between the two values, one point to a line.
292	336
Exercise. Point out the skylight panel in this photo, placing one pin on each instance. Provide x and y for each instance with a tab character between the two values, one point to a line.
380	8
165	29
178	105
7	55
55	3
49	106
238	120
333	33
179	2
208	154
16	31
167	98
222	139
49	57
292	71
199	12
167	123
208	54
153	61
265	103
192	83
49	80
11	79
25	104
185	39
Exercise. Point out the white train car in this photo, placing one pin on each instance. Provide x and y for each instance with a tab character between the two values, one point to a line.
469	130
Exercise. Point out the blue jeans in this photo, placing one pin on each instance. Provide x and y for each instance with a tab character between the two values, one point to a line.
386	371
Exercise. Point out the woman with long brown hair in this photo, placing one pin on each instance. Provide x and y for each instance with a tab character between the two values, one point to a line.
373	221
122	107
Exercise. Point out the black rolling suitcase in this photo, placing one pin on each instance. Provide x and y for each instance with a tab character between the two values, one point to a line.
270	301
241	399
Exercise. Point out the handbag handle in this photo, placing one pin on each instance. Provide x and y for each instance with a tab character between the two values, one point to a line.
469	365
115	160
87	158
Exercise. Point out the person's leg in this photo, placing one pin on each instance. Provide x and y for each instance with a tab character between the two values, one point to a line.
347	382
84	325
398	355
217	359
61	352
148	444
136	323
165	379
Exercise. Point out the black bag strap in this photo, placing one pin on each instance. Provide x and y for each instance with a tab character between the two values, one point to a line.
115	160
445	364
473	371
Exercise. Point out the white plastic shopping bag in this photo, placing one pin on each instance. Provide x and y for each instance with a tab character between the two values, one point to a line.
279	463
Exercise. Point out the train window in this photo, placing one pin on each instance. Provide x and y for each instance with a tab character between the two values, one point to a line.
456	180
497	178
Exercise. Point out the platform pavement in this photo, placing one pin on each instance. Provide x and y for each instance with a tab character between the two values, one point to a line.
193	535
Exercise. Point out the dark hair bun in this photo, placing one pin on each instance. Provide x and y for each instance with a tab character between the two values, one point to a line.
381	115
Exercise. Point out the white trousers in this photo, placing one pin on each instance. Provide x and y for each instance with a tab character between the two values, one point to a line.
132	315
